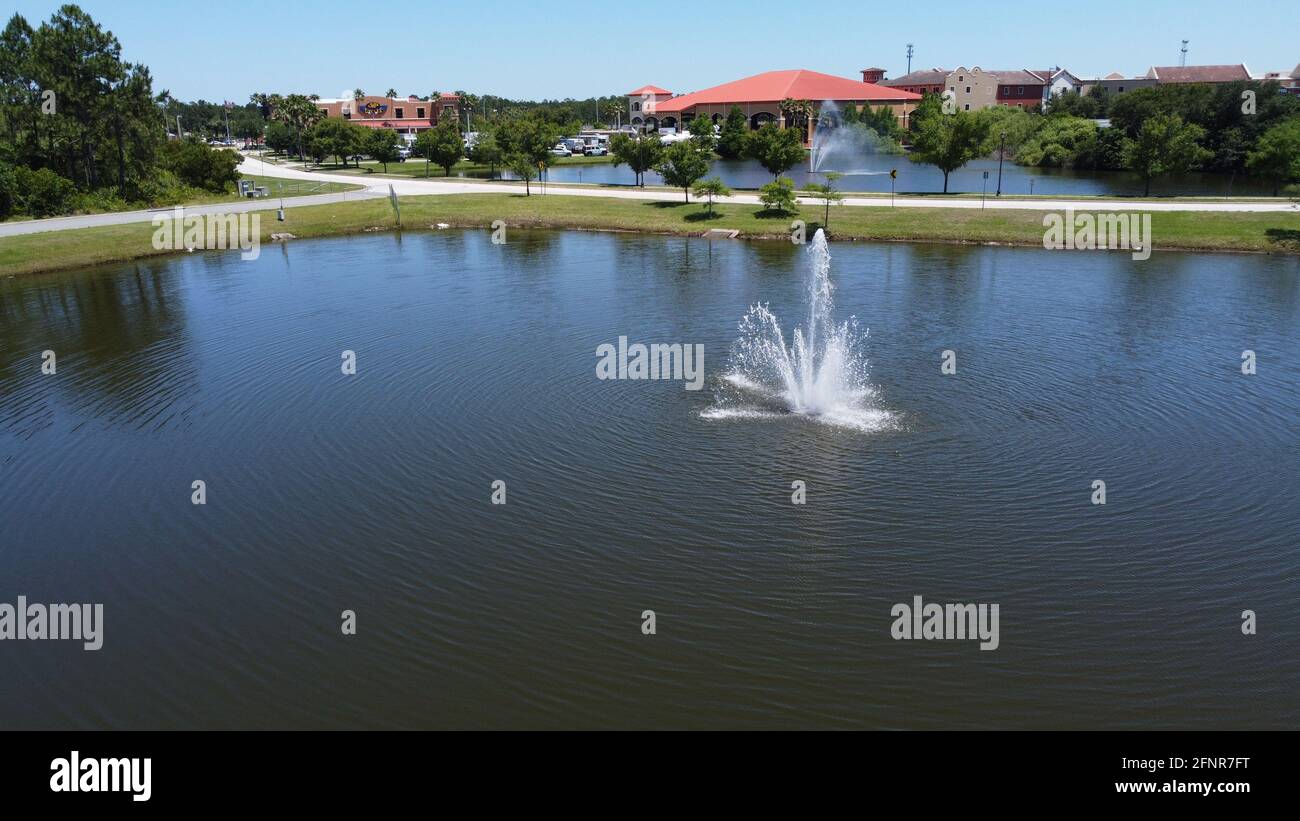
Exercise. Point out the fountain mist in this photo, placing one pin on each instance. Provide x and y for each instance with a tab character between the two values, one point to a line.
822	374
843	148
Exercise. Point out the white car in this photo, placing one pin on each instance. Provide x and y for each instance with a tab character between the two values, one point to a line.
561	150
595	150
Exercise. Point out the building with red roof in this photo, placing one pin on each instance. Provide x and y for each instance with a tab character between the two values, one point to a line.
760	97
1177	75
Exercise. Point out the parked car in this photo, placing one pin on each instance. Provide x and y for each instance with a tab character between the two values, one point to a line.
561	150
404	152
595	150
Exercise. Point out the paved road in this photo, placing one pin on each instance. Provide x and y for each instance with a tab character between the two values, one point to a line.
411	186
435	185
9	229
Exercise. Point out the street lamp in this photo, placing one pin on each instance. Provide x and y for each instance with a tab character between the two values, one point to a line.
1001	146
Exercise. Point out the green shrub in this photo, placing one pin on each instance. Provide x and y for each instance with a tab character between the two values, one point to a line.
8	190
165	188
778	196
101	200
43	193
199	165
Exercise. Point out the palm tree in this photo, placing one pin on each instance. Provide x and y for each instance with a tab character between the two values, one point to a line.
262	101
357	94
797	113
612	112
468	102
392	93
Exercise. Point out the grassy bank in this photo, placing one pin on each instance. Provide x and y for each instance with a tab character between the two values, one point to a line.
1267	233
277	186
415	166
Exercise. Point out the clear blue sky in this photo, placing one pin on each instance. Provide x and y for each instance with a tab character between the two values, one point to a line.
536	49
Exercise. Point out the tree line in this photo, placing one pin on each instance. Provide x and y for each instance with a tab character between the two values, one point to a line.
1241	129
81	128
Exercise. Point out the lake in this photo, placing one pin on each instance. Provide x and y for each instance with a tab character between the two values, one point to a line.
918	178
477	363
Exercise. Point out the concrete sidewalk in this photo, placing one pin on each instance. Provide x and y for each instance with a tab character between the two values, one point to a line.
454	185
378	187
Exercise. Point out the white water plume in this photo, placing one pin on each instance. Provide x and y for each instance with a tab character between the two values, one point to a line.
822	374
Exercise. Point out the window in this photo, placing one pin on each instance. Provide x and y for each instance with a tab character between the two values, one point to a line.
419	113
961	79
636	106
967	106
968	89
1020	91
400	114
1121	89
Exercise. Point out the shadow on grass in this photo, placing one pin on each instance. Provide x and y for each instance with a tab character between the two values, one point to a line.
703	216
1288	238
774	214
667	204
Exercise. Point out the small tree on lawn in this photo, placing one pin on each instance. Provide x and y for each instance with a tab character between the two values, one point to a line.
487	151
640	152
778	196
530	136
523	168
382	145
1277	154
710	188
948	141
682	164
1165	145
776	149
336	137
442	145
827	194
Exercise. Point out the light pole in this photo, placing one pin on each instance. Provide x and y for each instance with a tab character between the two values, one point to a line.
1001	148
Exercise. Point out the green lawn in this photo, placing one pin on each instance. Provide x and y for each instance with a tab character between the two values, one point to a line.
415	167
281	187
1269	233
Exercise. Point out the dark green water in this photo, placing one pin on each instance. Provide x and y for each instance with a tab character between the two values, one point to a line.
477	362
